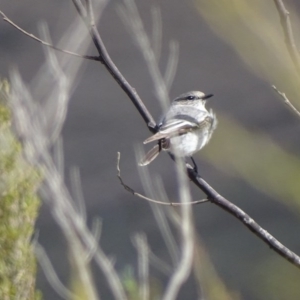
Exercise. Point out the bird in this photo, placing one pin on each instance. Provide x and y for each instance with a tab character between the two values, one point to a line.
186	128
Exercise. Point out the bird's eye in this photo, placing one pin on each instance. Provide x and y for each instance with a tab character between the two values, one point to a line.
190	97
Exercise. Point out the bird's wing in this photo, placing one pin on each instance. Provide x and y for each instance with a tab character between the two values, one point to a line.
175	127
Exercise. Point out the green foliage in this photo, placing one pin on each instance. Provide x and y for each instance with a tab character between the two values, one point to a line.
130	283
19	207
132	286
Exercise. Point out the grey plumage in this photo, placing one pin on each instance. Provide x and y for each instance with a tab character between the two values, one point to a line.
186	128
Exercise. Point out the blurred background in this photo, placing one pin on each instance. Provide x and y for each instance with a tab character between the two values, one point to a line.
234	49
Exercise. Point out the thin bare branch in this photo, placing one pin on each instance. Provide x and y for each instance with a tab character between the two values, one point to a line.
32	36
288	33
172	64
96	229
107	266
134	193
140	242
58	157
132	19
59	198
159	264
76	190
112	68
80	265
50	273
90	12
96	232
157	191
156	31
287	101
234	210
64	86
170	214
184	266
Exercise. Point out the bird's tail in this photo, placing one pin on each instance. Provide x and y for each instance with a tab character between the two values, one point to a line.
150	156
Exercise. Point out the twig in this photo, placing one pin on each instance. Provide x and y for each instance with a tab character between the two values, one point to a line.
234	210
51	275
160	214
6	19
64	85
96	232
184	266
171	64
134	193
77	192
59	198
287	101
141	245
156	40
111	67
159	264
288	33
130	15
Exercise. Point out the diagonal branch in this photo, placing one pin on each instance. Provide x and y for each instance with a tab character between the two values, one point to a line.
288	33
234	210
212	195
88	17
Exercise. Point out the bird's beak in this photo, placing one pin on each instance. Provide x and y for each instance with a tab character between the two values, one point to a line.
205	97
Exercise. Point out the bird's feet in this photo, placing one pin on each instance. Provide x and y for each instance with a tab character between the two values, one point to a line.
195	168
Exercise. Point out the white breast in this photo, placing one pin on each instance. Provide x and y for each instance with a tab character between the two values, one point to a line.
188	144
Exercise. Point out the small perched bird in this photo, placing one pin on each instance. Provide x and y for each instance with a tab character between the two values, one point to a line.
185	129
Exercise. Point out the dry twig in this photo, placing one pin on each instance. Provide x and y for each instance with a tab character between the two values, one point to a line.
184	265
287	101
83	244
288	33
110	66
234	210
131	18
134	193
141	245
51	275
32	36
